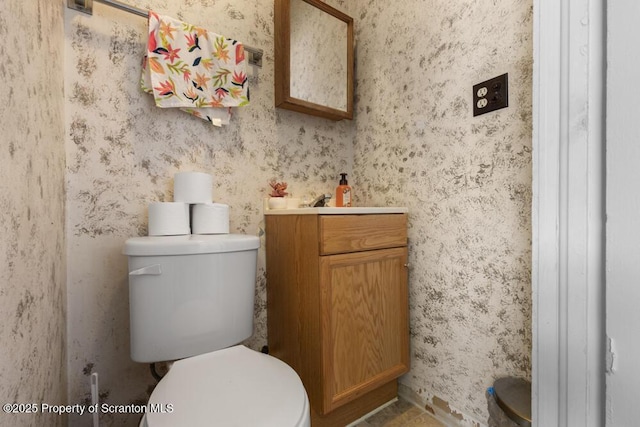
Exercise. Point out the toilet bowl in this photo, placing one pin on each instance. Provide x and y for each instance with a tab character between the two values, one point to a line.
231	387
191	300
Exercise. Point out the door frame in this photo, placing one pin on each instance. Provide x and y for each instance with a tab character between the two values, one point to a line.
568	262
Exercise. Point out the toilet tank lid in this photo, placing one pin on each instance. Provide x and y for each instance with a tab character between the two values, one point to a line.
189	244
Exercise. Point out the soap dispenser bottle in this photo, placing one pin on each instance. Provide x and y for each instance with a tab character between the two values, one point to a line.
343	193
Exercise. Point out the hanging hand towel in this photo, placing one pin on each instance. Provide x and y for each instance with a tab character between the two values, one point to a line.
196	70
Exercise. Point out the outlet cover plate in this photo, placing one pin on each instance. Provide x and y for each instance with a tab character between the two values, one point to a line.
491	95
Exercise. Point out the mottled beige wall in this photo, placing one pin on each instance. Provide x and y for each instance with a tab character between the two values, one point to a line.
465	179
122	153
32	239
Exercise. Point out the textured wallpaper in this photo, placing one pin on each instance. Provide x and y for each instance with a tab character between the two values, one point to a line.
465	179
122	153
32	239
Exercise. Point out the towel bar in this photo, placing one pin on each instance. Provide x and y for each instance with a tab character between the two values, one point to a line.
86	6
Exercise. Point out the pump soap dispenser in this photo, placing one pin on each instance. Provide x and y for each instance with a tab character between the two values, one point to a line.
343	193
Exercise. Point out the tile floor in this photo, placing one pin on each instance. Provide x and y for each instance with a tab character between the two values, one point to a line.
401	414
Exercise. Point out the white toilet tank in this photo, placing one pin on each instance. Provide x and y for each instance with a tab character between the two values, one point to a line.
190	295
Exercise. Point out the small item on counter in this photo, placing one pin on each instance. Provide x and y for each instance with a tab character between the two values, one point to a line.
278	189
276	196
343	193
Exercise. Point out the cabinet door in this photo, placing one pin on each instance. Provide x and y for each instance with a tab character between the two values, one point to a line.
365	326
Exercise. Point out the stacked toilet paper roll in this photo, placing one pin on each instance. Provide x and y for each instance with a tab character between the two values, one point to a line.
168	219
209	218
193	187
192	191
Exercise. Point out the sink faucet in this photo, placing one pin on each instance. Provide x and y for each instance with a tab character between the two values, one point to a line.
320	201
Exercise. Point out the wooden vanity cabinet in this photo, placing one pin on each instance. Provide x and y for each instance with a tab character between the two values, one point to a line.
337	308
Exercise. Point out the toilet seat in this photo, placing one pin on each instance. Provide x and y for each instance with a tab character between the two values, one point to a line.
235	386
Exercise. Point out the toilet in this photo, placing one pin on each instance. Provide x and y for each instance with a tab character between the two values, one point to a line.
191	301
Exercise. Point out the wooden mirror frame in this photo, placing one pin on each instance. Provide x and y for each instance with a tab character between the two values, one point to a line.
282	21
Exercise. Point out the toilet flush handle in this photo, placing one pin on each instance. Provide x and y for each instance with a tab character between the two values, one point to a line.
152	270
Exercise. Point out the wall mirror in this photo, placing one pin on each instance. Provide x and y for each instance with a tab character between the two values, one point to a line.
313	59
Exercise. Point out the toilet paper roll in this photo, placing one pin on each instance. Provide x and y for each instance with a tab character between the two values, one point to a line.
192	187
210	218
168	219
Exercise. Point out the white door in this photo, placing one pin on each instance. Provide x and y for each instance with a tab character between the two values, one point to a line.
623	213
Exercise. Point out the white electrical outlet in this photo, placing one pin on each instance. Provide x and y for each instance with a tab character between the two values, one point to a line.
491	95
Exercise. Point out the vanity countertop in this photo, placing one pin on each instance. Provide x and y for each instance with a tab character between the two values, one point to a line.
357	210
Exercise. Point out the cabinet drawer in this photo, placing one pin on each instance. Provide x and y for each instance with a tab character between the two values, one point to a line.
353	233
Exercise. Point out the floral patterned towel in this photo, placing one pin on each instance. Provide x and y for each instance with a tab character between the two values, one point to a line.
196	70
